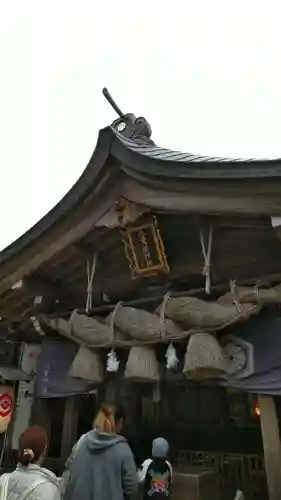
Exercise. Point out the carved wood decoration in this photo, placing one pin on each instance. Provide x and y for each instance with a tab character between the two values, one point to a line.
144	250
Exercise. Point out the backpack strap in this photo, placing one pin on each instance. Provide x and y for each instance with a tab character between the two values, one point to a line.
143	470
4	488
31	488
170	469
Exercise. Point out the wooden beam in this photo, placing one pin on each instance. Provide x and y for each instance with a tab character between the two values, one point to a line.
83	251
40	414
48	289
271	446
111	391
51	292
41	286
224	197
29	261
154	301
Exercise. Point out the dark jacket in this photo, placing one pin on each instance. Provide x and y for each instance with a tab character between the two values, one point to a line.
101	467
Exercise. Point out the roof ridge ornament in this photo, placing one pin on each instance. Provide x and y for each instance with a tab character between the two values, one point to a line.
127	124
112	103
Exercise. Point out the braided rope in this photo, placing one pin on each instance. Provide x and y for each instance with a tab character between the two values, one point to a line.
207	258
91	270
162	315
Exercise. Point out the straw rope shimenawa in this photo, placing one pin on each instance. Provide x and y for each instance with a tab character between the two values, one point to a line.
62	327
187	317
175	320
142	325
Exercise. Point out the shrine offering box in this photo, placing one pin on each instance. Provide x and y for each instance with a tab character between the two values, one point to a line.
194	483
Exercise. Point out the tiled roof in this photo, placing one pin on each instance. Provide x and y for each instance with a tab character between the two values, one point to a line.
143	155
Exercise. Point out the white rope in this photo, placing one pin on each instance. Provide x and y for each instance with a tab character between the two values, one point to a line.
257	291
207	258
111	326
234	295
112	360
162	315
90	277
37	326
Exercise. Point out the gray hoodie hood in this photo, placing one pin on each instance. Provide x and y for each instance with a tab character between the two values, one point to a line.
97	441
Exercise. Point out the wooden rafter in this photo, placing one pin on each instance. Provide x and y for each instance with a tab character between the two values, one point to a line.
51	245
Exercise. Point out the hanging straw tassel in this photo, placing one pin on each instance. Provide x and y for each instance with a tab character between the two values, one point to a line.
142	365
112	360
204	358
91	270
87	366
207	258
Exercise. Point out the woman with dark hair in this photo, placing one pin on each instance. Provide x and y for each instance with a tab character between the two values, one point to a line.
30	481
101	465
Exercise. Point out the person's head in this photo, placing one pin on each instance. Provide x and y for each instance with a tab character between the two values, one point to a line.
33	444
160	448
109	419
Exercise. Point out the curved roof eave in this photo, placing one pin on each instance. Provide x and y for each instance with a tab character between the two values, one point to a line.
141	159
75	195
145	159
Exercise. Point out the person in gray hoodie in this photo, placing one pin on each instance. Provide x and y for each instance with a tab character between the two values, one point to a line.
101	465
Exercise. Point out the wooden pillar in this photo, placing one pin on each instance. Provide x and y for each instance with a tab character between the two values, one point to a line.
40	414
112	389
271	446
70	421
110	393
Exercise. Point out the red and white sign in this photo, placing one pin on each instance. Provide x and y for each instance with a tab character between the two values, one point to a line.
6	403
6	406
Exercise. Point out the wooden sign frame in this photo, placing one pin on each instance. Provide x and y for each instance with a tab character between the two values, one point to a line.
152	260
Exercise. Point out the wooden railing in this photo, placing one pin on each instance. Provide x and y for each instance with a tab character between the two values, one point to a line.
246	472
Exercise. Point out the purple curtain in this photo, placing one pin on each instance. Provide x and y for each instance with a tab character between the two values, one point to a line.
52	380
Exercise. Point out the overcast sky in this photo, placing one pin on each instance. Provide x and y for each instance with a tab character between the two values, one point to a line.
206	75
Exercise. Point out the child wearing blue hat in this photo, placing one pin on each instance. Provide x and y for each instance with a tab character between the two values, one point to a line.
155	474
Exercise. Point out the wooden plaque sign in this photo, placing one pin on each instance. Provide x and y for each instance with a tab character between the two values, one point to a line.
144	250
